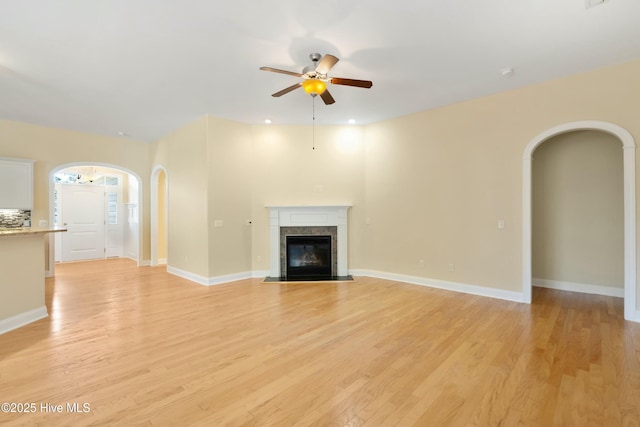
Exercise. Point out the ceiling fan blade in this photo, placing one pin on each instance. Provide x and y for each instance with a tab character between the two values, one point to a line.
327	98
351	82
277	70
287	90
326	63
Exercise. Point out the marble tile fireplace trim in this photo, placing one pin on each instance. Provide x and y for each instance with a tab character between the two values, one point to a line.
308	216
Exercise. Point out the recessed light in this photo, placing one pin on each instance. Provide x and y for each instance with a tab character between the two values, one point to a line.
507	72
267	121
352	121
592	3
122	133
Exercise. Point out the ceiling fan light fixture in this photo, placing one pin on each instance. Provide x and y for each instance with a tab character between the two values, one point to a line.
315	78
314	86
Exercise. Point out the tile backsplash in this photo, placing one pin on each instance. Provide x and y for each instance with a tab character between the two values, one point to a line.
12	218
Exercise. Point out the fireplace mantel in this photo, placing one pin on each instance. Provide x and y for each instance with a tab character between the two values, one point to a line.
307	216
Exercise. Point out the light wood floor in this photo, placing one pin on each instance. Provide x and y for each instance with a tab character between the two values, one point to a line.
142	347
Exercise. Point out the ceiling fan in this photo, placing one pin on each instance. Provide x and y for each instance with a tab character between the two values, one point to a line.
315	78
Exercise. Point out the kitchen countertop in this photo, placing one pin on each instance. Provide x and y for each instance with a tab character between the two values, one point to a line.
29	231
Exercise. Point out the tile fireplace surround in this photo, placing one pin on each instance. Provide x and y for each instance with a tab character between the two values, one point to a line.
307	216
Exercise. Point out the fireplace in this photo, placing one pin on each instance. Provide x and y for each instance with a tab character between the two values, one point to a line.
308	257
309	222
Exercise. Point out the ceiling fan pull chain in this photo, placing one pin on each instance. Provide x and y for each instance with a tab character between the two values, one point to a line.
313	123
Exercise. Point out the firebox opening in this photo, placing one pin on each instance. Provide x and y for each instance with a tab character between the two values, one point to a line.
308	257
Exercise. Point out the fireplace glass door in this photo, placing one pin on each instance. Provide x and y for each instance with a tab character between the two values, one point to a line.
308	257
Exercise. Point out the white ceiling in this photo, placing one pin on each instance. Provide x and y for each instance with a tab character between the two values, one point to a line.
147	67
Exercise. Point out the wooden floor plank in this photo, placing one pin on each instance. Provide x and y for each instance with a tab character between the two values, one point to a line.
143	347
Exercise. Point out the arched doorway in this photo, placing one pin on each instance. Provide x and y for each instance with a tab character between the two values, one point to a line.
128	214
628	144
159	215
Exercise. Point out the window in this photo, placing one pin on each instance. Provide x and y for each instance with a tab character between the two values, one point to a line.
112	207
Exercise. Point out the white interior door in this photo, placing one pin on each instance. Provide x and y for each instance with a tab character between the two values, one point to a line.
83	208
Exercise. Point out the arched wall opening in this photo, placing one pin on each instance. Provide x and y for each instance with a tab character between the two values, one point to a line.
628	145
134	207
578	214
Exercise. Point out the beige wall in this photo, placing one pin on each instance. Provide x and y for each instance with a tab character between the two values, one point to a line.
436	185
183	154
229	159
248	168
51	147
438	181
578	220
287	171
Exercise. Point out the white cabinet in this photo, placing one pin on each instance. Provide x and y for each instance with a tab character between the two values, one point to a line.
16	183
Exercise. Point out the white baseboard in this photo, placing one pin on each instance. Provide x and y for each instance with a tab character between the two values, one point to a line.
22	319
218	280
443	284
162	261
201	280
208	281
578	287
